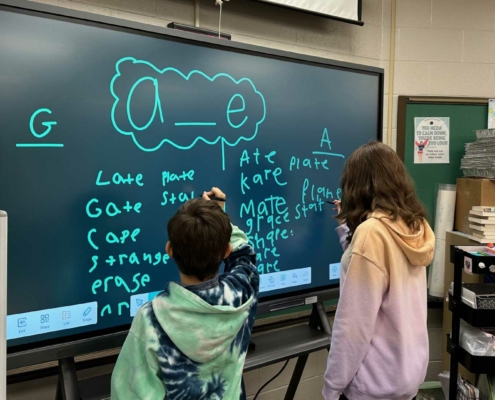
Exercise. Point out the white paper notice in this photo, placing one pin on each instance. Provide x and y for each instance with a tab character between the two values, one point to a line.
491	114
437	269
444	222
445	210
431	140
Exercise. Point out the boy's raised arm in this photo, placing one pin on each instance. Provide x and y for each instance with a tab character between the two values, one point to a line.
241	263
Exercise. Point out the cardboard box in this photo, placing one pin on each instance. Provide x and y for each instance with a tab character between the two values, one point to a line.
472	192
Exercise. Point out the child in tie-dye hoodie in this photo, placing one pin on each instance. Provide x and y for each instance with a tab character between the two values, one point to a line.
190	342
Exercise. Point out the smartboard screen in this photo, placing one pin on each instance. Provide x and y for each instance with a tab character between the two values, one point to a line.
105	131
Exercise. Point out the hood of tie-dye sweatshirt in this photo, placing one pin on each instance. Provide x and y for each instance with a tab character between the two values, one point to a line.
201	331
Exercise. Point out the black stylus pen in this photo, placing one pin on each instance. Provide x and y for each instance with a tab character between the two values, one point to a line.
214	198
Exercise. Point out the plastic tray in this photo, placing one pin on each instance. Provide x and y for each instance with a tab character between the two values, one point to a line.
475	317
474	364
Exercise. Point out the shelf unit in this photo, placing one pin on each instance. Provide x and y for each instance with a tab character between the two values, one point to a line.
463	259
474	317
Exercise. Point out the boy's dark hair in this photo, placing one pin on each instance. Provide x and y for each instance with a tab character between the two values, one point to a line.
199	234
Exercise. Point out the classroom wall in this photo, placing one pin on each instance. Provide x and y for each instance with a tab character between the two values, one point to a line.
444	48
437	47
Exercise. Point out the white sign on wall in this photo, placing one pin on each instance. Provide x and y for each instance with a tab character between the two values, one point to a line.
431	140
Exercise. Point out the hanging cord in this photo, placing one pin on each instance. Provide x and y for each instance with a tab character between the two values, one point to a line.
219	3
270	381
220	21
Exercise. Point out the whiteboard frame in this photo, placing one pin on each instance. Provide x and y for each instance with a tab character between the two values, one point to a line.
3	304
41	352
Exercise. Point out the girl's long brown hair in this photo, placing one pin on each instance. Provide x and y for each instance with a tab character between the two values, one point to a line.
375	179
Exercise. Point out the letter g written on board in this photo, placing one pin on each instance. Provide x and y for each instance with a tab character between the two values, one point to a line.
47	124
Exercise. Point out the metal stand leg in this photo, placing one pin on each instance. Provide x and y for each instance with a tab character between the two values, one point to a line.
296	377
67	386
318	320
325	325
456	322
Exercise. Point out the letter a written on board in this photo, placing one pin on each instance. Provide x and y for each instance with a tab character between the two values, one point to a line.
325	139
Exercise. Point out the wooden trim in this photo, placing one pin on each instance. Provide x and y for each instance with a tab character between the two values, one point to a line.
401	127
446	100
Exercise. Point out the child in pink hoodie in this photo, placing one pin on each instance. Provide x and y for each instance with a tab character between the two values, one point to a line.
380	341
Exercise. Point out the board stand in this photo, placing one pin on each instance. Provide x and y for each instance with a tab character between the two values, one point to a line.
271	348
319	321
67	384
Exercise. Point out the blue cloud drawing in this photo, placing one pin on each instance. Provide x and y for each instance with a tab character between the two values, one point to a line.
237	106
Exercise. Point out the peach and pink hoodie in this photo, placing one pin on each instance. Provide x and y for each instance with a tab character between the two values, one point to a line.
380	341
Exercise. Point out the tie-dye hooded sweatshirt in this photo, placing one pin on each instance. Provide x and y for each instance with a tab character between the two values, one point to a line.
190	343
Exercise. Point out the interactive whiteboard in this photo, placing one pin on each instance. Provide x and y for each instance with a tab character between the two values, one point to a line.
105	131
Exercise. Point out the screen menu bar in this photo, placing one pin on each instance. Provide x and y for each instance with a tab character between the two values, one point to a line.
285	279
51	320
138	300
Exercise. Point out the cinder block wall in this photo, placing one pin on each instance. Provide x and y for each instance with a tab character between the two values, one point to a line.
443	47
